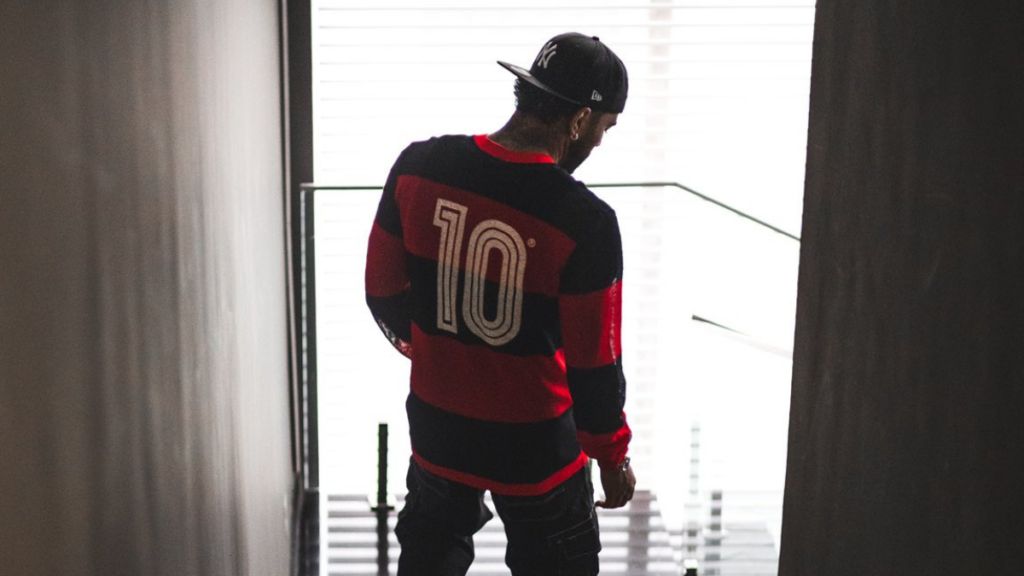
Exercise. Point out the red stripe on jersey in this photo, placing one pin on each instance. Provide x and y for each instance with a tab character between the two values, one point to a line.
607	449
591	327
542	487
477	382
385	265
499	151
546	247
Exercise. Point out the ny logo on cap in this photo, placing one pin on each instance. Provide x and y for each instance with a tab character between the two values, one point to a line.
545	54
596	96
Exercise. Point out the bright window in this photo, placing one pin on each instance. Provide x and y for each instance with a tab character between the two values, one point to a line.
718	102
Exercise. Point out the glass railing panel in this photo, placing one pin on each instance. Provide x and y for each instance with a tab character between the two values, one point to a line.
709	405
708	397
362	380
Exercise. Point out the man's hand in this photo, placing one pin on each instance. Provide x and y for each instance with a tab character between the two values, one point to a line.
618	487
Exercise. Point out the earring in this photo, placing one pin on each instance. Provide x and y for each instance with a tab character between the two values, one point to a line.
575	137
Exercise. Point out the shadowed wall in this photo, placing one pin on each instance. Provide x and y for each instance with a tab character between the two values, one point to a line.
143	368
906	451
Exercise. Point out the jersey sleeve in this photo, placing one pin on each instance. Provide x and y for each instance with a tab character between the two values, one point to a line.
590	308
387	281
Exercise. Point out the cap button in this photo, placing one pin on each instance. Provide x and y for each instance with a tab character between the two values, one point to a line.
596	38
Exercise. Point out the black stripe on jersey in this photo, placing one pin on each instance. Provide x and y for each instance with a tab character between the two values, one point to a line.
596	263
544	191
503	452
390	311
539	331
594	391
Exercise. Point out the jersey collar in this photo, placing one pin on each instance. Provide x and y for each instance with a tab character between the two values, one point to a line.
502	153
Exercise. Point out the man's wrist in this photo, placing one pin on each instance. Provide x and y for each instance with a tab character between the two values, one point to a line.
614	466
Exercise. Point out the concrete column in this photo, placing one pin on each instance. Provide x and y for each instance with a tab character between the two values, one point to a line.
906	450
143	354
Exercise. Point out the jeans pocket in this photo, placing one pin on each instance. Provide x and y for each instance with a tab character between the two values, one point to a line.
578	542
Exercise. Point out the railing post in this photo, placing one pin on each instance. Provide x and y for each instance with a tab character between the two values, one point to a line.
383	509
307	393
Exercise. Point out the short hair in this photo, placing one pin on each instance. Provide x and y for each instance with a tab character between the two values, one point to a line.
540	104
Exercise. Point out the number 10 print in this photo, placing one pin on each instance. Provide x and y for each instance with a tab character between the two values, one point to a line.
487	237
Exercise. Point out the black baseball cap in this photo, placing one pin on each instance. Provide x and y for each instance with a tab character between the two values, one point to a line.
579	69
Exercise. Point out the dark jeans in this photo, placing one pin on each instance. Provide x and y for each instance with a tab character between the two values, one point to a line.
552	534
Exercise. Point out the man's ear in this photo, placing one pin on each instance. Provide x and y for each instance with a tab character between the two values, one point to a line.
578	120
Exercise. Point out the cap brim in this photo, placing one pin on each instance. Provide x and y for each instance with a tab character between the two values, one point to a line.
524	74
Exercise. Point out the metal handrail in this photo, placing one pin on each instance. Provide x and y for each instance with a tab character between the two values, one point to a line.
705	197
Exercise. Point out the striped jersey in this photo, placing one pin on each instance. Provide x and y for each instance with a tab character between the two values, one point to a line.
500	276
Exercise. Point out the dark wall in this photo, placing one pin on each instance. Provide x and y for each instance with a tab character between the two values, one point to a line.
143	368
906	451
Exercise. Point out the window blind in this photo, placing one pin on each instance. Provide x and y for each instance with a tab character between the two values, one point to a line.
718	89
718	101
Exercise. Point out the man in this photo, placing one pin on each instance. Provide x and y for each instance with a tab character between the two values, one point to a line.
500	276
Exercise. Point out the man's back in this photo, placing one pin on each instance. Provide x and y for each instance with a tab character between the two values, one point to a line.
511	265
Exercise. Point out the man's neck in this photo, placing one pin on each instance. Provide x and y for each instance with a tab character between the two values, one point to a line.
524	133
